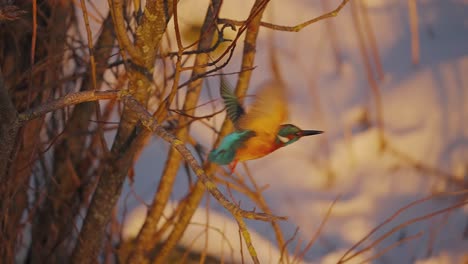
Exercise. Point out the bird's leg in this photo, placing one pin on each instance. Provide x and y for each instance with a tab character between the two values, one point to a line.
232	166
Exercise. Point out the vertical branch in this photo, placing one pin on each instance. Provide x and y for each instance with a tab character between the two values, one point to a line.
372	40
318	231
128	139
8	135
147	237
370	79
23	81
260	200
250	45
7	129
92	64
248	241
165	185
162	109
72	157
331	31
197	192
33	44
34	31
317	111
115	7
276	72
414	20
90	44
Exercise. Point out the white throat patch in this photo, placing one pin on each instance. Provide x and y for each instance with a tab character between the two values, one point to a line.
282	139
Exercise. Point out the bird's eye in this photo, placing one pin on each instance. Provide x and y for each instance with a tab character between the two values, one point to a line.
282	139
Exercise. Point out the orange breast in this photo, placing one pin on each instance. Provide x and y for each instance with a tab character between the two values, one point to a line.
256	147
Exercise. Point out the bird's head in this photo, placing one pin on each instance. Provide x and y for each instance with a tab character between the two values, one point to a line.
289	133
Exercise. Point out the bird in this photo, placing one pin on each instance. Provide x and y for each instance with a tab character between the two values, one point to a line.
259	131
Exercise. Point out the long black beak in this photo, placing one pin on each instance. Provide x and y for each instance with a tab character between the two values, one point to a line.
310	132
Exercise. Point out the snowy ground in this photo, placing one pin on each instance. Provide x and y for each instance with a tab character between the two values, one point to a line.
425	114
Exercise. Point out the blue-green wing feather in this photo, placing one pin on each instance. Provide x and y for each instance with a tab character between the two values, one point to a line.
233	108
226	151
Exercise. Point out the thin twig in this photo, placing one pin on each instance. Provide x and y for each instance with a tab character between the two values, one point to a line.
413	20
392	246
423	167
372	40
374	87
393	216
92	63
319	230
296	28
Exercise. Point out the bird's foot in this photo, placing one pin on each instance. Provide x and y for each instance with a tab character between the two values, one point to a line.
232	166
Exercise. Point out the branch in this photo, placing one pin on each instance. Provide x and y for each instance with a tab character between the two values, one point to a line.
218	42
115	7
67	100
425	168
150	123
148	234
296	28
8	130
345	257
10	13
252	27
318	231
373	85
248	241
128	141
401	226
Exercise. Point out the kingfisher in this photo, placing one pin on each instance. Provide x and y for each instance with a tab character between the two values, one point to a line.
259	131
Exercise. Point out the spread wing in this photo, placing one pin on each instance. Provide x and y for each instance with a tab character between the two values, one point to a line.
227	150
268	111
233	107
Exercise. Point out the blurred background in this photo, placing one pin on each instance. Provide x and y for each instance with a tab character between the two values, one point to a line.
387	80
403	60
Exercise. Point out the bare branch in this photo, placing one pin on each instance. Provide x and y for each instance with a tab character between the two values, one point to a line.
344	258
10	13
7	128
120	29
150	123
148	234
67	100
296	28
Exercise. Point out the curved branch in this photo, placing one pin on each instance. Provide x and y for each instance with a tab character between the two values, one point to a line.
116	10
